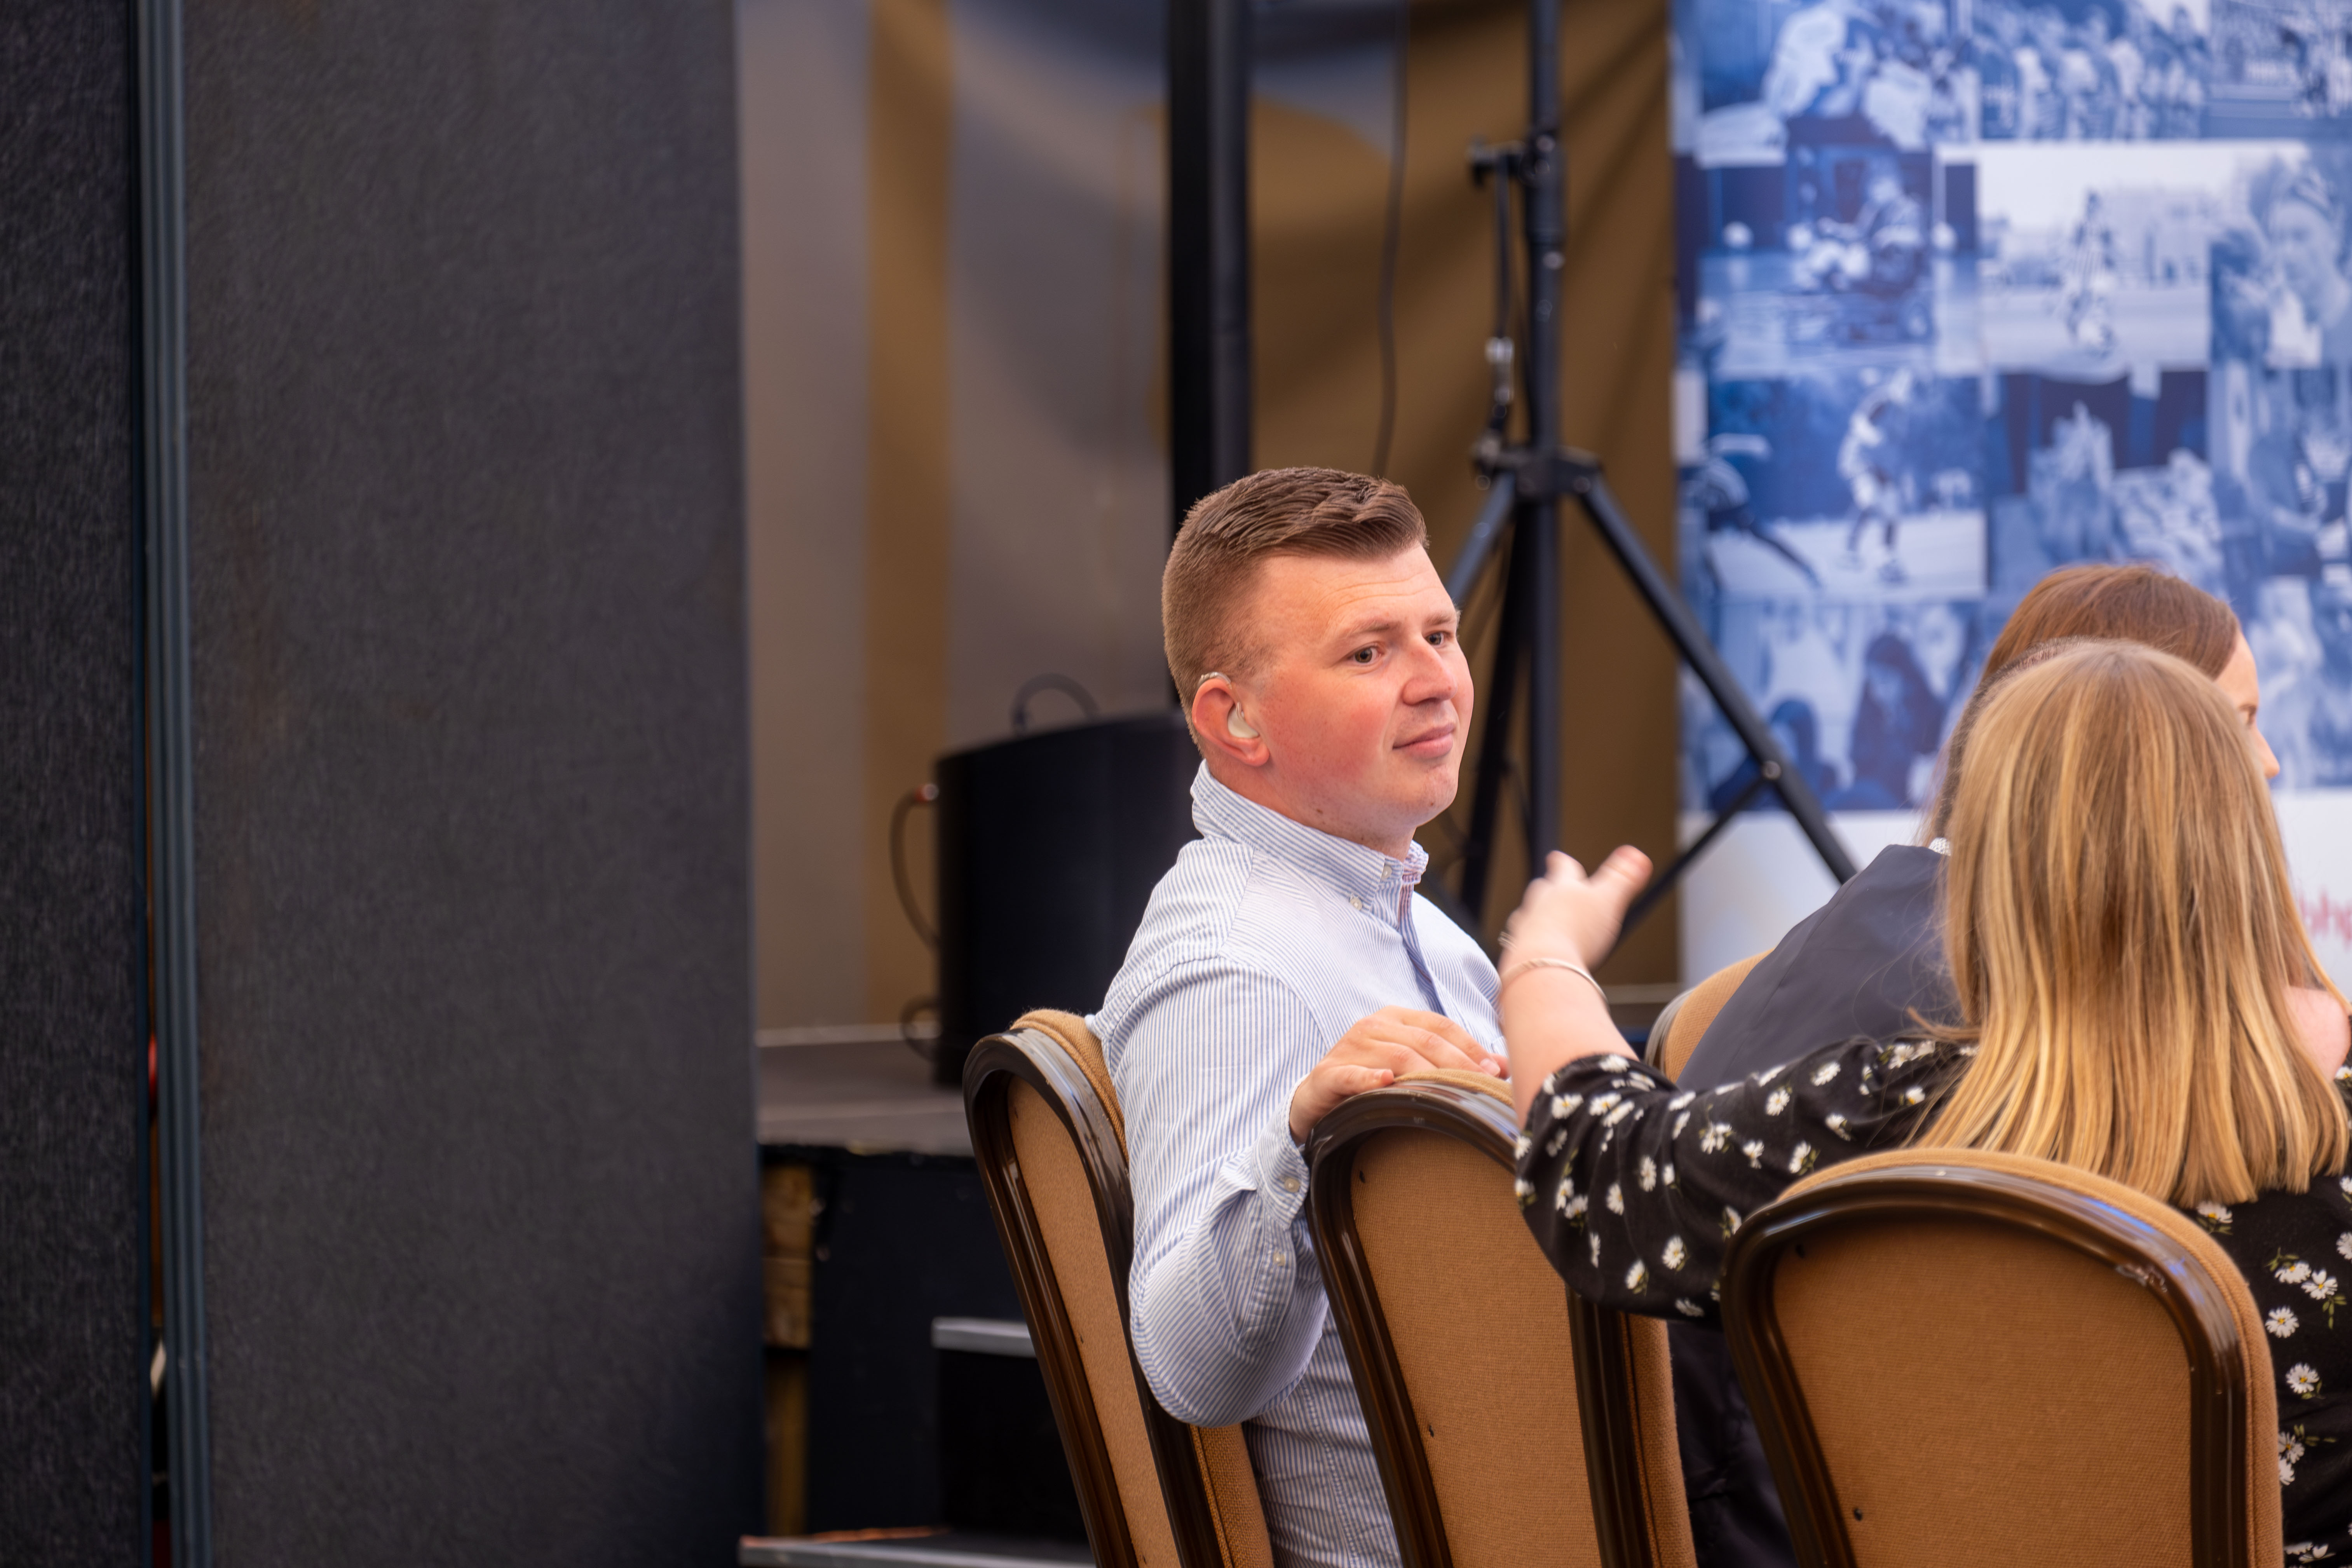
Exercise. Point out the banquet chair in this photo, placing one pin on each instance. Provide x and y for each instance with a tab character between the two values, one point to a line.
1959	1359
1677	1030
1052	1150
1516	1425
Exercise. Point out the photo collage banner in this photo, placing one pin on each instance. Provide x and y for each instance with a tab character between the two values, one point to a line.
1969	289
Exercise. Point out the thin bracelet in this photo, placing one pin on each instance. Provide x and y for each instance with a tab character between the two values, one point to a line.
1527	963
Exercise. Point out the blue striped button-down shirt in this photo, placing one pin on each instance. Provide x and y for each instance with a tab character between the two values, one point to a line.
1259	949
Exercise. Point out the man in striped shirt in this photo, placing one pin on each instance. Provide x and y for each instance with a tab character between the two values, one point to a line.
1286	963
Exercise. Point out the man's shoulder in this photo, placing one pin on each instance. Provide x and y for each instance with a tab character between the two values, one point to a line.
1207	913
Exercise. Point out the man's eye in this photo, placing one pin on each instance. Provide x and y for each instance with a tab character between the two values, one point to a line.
1439	639
1365	654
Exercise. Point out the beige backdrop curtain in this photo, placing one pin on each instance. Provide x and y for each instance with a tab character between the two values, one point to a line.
956	391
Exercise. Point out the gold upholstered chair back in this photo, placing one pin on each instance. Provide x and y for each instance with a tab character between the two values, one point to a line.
1677	1030
1491	1392
1961	1359
1052	1150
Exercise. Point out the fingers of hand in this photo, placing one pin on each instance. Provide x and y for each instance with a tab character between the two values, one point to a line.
1402	1049
1627	865
1439	1023
1406	1039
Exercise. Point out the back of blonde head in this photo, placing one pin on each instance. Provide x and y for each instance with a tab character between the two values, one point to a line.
2122	936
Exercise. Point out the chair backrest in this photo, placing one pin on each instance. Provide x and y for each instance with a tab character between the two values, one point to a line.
1052	1149
1486	1383
1960	1358
1677	1033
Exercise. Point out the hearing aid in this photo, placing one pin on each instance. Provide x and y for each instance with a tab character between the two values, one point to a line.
1237	726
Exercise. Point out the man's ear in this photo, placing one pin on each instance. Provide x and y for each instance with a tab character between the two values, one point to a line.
1222	724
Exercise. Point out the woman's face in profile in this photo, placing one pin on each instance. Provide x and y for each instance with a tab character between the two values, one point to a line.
2240	683
2304	243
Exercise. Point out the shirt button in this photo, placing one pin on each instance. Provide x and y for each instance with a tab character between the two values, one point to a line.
1279	1260
1354	902
1290	1184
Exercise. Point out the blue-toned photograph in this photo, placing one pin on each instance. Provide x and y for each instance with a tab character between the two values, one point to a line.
1841	255
1766	75
2089	71
2281	69
2282	287
2111	470
2095	259
2282	448
1861	696
2300	630
1857	485
1762	78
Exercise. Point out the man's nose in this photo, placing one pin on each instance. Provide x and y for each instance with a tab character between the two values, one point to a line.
1433	677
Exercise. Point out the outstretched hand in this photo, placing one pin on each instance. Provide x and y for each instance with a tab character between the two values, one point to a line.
1550	1016
1377	1051
1568	915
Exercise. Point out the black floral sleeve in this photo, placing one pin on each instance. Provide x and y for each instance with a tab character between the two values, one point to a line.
1634	1187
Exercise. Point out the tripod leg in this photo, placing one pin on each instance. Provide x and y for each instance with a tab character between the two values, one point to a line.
1484	534
1674	616
1539	532
1494	744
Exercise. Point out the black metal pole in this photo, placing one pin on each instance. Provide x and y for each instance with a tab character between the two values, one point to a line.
1494	742
1543	173
1208	247
164	504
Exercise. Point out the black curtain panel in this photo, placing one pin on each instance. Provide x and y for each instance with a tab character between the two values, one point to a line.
469	783
73	1036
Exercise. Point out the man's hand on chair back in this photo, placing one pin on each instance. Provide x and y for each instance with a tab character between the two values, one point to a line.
1377	1051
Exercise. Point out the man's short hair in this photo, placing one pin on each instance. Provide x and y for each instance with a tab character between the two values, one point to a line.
1276	512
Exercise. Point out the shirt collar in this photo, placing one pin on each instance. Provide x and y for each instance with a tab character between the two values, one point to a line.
1357	871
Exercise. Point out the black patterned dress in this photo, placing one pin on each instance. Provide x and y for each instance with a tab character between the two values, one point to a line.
1633	1189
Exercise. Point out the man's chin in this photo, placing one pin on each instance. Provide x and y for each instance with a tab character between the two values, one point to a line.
1439	798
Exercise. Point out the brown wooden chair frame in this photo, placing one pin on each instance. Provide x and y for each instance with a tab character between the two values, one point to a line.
2217	1360
1604	1367
1036	1059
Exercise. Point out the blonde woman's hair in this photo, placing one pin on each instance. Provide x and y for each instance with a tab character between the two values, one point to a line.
2122	936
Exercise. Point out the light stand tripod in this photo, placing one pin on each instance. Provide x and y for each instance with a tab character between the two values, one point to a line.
1527	483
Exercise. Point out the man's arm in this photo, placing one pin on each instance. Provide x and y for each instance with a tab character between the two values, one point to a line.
1222	1075
1221	1323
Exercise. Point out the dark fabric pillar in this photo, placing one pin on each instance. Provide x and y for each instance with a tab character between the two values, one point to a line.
72	957
471	798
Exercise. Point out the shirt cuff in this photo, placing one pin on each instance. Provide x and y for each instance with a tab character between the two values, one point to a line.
1281	1169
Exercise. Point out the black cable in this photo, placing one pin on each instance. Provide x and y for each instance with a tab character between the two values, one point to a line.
1050	681
921	795
1391	237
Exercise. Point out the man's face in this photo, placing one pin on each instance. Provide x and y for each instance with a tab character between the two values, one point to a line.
1361	693
2304	243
